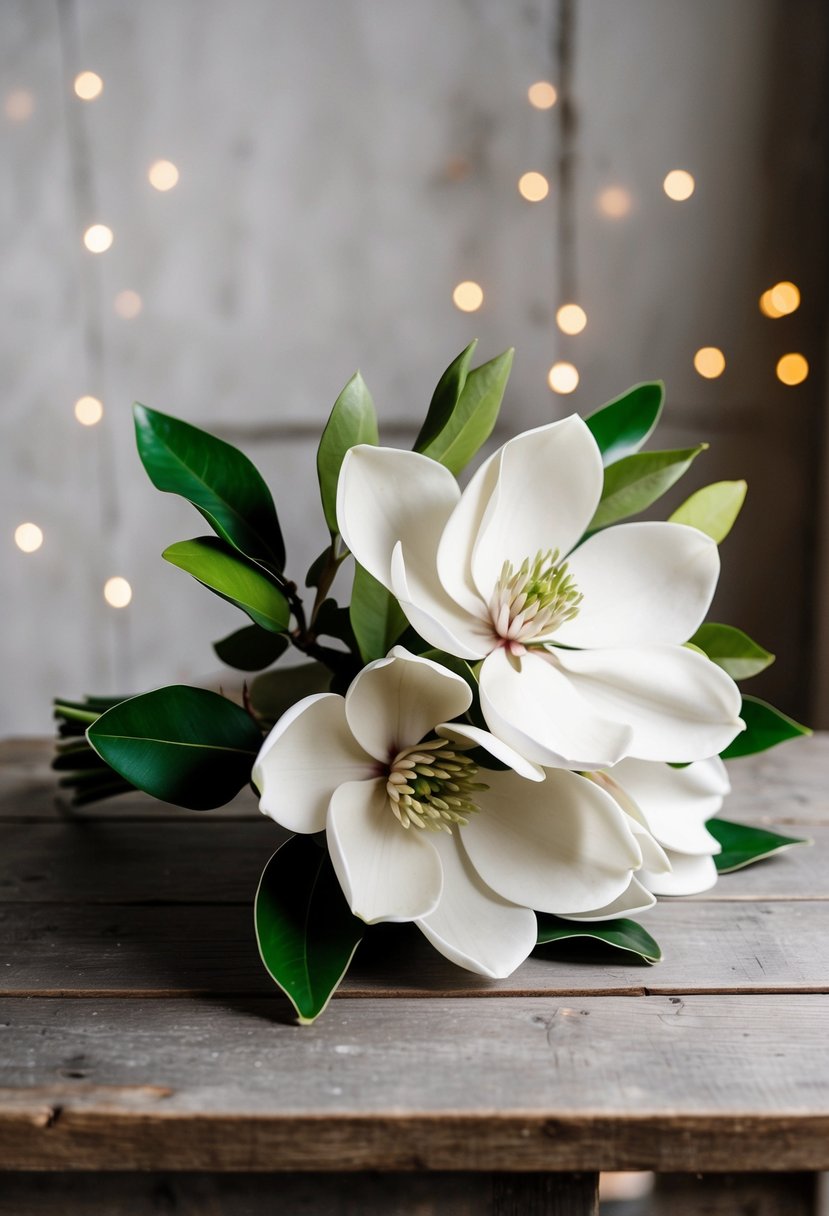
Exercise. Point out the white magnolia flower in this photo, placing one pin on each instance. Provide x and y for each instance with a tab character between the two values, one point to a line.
674	805
378	768
583	661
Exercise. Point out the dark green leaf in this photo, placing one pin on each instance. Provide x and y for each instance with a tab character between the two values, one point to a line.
471	422
445	398
251	648
305	930
624	424
732	650
272	693
713	509
765	728
218	566
183	745
621	934
634	482
376	617
319	566
216	478
332	621
352	420
742	845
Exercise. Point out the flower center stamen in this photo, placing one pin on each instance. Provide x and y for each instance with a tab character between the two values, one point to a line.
533	601
432	785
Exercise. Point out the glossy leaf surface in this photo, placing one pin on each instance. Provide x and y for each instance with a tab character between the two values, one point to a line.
713	509
470	422
186	746
251	649
621	934
732	650
305	931
220	568
624	424
353	420
376	617
765	728
742	845
635	482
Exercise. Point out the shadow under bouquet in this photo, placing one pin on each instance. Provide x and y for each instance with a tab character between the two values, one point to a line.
514	734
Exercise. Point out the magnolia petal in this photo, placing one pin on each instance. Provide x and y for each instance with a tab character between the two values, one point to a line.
496	747
472	926
549	484
677	802
306	756
653	855
642	583
635	898
535	709
435	616
678	704
558	846
394	702
454	559
385	495
387	873
688	876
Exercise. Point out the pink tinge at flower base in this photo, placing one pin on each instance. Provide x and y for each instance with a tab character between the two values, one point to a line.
582	644
380	767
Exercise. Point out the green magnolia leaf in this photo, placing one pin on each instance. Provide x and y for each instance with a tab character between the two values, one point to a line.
469	424
713	509
624	424
216	478
220	568
732	650
251	648
634	482
376	617
305	930
183	745
765	728
352	420
445	398
332	621
621	934
274	692
742	845
319	566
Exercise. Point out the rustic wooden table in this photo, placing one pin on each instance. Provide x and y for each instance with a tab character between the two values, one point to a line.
147	1064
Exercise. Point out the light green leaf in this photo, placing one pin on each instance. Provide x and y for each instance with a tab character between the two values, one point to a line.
220	568
445	398
216	478
274	692
470	423
376	617
732	650
621	934
634	482
765	728
713	509
251	648
624	424
305	930
183	745
742	845
353	420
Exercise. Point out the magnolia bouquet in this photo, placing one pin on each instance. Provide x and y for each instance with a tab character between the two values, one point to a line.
515	732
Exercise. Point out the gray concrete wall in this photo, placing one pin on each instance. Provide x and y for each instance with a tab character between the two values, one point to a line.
344	165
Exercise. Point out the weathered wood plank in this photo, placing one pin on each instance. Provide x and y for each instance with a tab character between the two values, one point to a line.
787	785
734	1195
182	950
714	1083
198	860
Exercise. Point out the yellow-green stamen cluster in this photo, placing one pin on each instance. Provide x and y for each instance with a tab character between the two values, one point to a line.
533	601
432	785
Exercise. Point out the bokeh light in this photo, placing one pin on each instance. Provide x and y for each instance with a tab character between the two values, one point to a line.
533	186
128	304
709	361
792	369
614	202
679	185
468	296
117	592
88	410
780	300
19	105
28	537
563	378
163	175
88	86
542	95
98	238
571	319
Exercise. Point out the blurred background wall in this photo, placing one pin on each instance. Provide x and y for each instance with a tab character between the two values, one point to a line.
340	167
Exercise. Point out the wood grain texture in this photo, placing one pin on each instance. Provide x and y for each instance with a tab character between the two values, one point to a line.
177	950
666	1083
